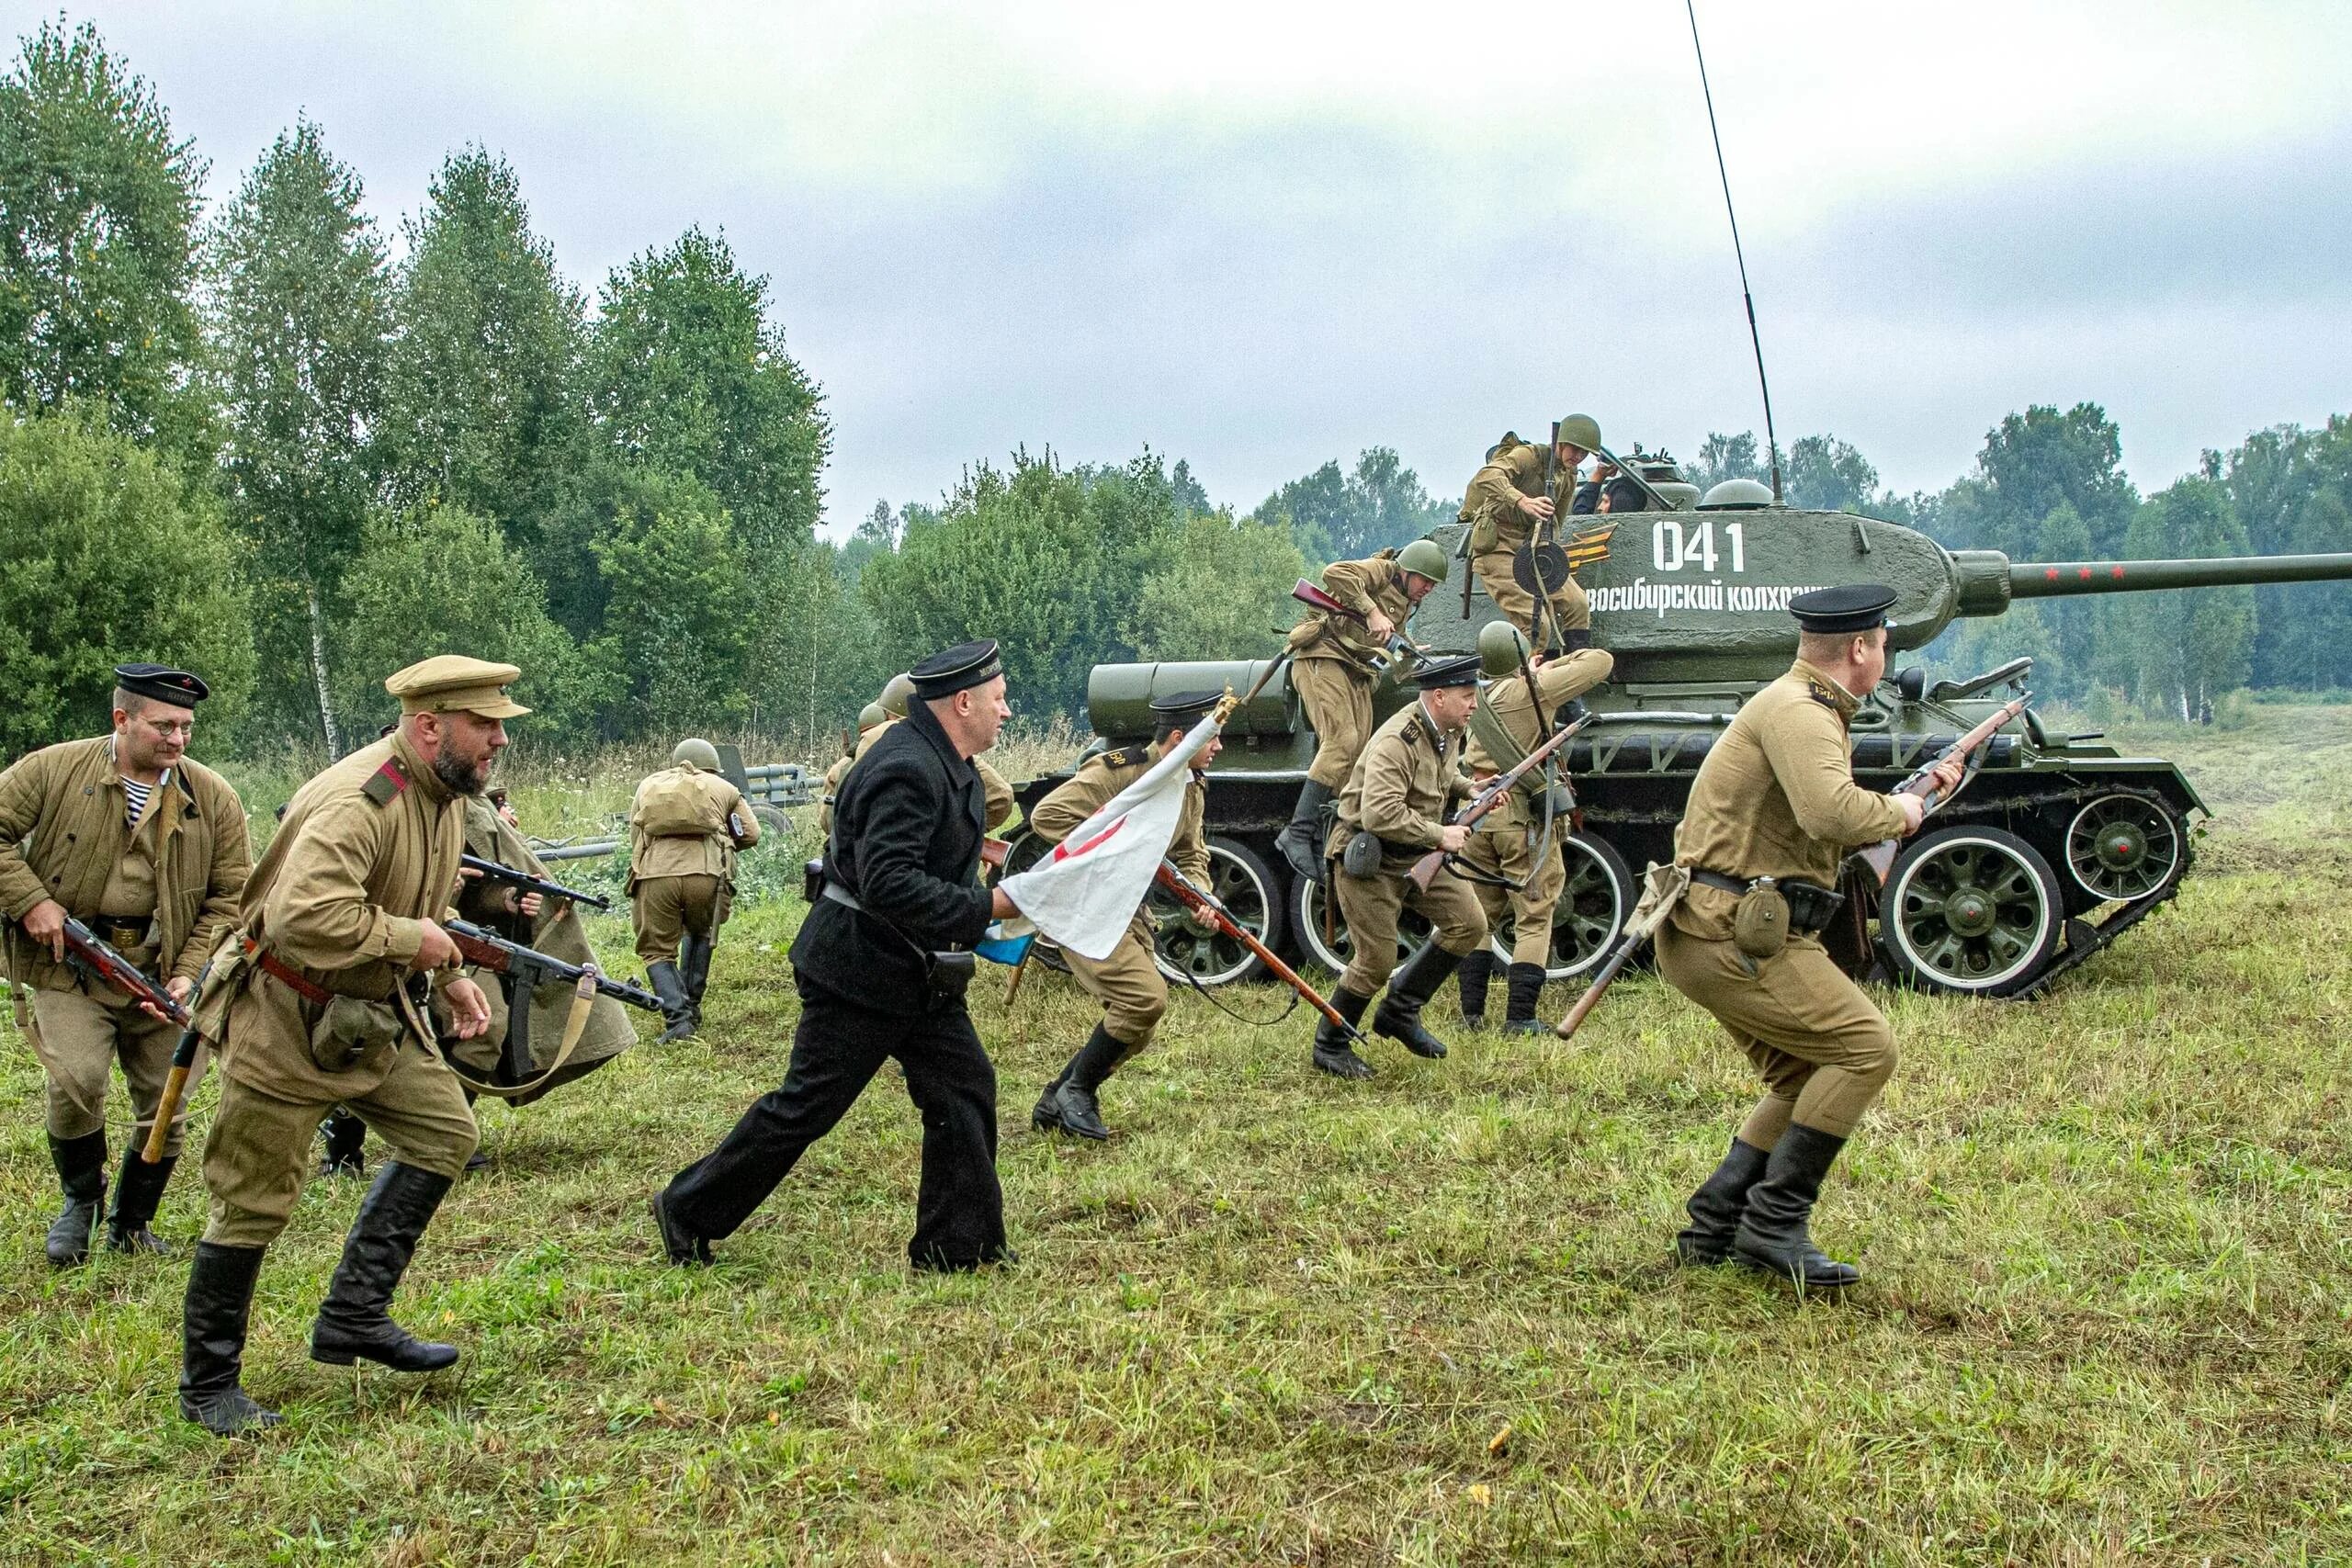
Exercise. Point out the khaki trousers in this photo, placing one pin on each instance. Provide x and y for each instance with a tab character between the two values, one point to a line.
1339	709
1130	986
1498	847
666	908
79	1036
1822	1050
1371	904
258	1154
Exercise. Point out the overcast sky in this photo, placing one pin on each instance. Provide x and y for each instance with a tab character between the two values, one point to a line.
1259	236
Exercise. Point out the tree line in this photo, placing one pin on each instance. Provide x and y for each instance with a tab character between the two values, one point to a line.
268	443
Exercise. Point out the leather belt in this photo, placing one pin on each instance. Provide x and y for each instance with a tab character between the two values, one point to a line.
1811	907
122	931
843	896
1707	878
292	979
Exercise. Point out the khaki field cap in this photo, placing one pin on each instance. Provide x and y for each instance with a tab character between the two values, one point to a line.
450	682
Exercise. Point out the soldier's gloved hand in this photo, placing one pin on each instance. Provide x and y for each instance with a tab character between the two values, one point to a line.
468	1009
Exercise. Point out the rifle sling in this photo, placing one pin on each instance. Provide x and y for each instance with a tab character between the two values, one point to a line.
575	1024
1505	749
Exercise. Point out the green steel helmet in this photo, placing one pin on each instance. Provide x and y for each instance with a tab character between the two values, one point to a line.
1501	648
893	700
871	714
1424	557
701	753
1736	495
1581	431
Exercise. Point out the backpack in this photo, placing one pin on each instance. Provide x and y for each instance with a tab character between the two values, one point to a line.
674	805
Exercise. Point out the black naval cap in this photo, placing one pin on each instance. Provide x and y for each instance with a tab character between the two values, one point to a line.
1447	670
162	683
1182	710
957	668
1856	607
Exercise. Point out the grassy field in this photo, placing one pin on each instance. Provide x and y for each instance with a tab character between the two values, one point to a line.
1281	1319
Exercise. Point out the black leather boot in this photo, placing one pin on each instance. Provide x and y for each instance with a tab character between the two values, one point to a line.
1076	1108
1773	1234
694	968
681	1245
661	976
212	1340
82	1174
1526	982
1716	1207
353	1321
1334	1053
1301	842
138	1191
1473	977
1410	989
346	1141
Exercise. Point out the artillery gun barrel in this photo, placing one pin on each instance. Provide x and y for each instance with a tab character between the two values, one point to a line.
2051	580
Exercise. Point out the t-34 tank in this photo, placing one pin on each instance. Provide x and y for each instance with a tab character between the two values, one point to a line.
2059	845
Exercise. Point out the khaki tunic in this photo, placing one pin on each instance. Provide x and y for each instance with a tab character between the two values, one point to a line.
1777	797
557	933
1498	529
998	792
1504	841
1335	661
65	835
1398	790
684	883
365	856
1128	983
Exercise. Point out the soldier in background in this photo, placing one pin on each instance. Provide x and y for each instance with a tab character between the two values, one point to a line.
1335	662
1510	721
996	792
869	718
1502	509
325	996
1391	814
1128	983
148	848
1776	798
684	827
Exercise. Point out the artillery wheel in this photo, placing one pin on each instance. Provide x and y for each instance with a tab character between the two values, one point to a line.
2122	846
1242	883
773	824
1333	955
1974	910
1594	902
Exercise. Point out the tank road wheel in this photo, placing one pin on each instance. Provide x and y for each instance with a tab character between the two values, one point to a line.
2122	846
1242	884
1027	851
1595	900
1970	909
1334	953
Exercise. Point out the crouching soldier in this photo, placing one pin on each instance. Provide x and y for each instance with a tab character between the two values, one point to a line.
685	827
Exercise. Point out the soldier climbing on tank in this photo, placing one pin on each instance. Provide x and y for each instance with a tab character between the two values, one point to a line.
1509	515
1335	662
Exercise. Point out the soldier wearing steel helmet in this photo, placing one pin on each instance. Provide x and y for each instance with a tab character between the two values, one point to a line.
1335	661
994	788
1772	815
685	826
870	717
1514	852
1502	511
324	996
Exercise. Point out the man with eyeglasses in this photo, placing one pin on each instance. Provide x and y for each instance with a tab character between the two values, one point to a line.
147	849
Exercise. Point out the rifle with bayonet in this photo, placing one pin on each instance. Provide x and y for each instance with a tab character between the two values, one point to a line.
1497	790
528	969
1400	651
1205	907
523	882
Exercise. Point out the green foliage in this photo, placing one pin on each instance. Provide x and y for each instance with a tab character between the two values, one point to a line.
98	249
1222	594
2179	653
442	580
689	375
1347	517
817	655
1826	475
483	399
298	316
107	557
679	597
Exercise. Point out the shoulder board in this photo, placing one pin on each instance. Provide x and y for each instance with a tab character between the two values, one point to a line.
385	784
1413	730
1820	695
1127	757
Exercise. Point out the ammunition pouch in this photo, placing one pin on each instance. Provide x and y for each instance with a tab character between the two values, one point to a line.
1759	927
352	1033
1485	533
1807	908
947	976
1363	855
812	880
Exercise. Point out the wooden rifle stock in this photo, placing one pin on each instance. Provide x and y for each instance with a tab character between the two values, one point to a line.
176	1081
1204	904
1601	979
1880	857
1315	598
1425	869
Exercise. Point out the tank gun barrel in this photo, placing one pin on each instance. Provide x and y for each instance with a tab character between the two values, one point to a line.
1985	581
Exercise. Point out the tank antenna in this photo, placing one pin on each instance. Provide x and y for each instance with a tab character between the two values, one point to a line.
1772	442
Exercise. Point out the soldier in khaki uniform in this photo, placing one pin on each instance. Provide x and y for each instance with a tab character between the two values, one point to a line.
1501	513
1776	798
1128	983
869	718
1335	662
685	827
1508	724
148	848
995	790
324	999
1391	814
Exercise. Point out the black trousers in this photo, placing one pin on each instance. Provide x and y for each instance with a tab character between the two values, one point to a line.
959	1214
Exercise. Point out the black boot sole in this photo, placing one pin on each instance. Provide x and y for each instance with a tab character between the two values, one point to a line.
243	1414
1356	1071
1796	1279
680	1248
337	1356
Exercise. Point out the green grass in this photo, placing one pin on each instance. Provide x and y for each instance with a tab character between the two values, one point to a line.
1281	1319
